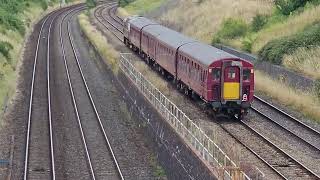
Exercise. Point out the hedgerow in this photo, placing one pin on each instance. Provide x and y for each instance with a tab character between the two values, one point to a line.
274	50
231	28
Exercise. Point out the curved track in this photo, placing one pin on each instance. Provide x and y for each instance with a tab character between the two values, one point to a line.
39	148
110	171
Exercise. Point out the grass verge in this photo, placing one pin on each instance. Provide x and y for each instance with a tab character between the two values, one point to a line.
109	54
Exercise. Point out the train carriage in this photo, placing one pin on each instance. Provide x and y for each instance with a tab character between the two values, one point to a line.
222	80
162	43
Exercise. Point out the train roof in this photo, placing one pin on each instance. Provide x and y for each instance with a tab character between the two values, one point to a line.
167	36
204	53
140	22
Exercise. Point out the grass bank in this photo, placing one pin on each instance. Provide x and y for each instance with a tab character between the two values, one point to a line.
16	22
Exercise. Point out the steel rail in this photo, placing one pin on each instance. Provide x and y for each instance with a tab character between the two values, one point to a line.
114	16
105	19
109	22
279	149
284	128
95	14
93	104
287	115
26	161
253	152
72	93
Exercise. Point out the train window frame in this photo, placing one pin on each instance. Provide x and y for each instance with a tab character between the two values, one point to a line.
216	74
246	74
231	72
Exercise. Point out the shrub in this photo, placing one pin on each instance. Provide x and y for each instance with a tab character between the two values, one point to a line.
286	7
232	28
5	48
275	50
247	44
123	3
90	3
258	22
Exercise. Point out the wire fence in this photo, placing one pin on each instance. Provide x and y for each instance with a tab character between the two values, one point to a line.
195	137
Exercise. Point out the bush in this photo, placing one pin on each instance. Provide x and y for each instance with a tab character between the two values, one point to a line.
286	7
275	50
247	44
231	28
90	3
258	22
5	48
123	3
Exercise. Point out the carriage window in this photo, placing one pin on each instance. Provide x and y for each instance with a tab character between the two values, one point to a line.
232	73
246	74
216	73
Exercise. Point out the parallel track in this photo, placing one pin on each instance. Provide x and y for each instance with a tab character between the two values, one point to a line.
297	128
81	126
36	149
113	29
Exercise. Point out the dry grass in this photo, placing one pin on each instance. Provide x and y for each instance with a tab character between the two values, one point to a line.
122	12
304	60
304	102
155	79
205	18
294	24
109	54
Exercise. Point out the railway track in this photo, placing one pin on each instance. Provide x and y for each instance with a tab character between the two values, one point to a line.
280	161
102	161
286	121
114	29
39	160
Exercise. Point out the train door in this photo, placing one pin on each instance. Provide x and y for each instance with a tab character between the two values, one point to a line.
231	83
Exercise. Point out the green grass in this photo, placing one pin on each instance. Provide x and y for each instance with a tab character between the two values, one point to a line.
140	7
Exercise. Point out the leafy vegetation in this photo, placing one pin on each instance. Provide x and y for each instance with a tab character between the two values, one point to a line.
5	47
231	28
123	3
91	3
274	50
287	7
16	19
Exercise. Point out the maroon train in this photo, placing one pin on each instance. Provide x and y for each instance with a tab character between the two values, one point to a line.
222	80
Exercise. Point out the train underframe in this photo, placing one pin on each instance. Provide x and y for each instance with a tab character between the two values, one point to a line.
230	109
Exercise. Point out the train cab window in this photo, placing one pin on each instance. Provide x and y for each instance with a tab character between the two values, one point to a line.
246	74
232	73
216	73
